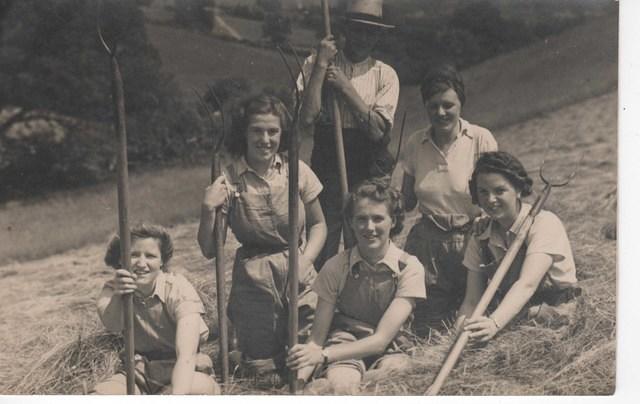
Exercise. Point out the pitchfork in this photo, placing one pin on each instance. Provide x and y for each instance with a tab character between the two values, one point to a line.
510	255
219	229
123	199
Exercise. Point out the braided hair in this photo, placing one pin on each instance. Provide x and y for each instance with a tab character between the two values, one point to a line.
503	163
377	190
159	233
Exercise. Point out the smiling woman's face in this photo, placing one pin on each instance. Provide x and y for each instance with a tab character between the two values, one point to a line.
263	139
146	262
372	225
498	197
444	110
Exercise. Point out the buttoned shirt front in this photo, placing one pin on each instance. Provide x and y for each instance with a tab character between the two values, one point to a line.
261	216
442	179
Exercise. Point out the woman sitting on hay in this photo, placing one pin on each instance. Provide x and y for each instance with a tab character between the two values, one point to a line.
541	283
168	324
365	296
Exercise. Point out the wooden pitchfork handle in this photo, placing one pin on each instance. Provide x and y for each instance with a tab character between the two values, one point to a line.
294	227
219	230
123	204
337	118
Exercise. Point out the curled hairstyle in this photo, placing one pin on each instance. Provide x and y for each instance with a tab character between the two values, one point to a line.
441	78
260	104
377	190
112	256
503	163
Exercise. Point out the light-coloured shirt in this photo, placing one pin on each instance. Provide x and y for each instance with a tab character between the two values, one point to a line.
547	235
374	81
156	317
442	179
333	276
264	219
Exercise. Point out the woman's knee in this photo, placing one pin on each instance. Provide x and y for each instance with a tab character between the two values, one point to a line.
204	384
344	380
394	362
116	385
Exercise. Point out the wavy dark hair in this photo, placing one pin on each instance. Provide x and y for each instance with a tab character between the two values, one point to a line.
500	162
259	104
112	256
378	190
441	78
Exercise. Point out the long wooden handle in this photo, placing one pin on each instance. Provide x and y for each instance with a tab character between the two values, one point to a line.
337	118
219	230
294	224
489	292
123	217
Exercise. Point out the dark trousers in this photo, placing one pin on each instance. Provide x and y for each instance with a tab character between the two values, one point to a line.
364	159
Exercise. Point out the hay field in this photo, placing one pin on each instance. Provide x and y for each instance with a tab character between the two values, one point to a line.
48	304
52	341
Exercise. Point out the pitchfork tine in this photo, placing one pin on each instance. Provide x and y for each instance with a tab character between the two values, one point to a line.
293	79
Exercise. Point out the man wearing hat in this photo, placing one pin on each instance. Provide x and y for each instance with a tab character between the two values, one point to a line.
367	94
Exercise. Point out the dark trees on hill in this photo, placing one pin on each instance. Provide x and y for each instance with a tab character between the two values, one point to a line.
53	70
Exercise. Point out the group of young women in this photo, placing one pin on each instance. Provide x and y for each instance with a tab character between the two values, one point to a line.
359	308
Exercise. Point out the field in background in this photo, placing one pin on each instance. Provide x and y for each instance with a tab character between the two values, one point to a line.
198	59
48	304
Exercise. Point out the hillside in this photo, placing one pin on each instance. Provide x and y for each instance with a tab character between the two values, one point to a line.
577	64
565	87
198	59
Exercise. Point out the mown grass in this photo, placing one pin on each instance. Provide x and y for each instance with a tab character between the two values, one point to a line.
60	346
52	342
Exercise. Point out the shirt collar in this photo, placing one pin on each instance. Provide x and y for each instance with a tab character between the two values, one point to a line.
390	259
160	287
491	232
242	166
464	131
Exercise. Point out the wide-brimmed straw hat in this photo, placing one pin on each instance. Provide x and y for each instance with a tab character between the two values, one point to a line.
366	12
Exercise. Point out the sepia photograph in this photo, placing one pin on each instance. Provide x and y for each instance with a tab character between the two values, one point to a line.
309	197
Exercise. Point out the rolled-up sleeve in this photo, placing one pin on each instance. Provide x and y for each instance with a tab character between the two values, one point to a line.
387	95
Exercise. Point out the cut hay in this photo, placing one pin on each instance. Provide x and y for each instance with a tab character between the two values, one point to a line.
69	368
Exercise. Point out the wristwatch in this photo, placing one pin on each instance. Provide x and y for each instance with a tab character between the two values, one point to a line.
325	357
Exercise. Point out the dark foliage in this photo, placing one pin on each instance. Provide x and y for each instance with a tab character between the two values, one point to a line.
52	63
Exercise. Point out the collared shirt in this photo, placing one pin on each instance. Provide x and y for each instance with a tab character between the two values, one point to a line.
442	179
547	235
156	317
262	214
332	278
374	81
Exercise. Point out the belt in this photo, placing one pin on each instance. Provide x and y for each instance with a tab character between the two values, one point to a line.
255	250
454	222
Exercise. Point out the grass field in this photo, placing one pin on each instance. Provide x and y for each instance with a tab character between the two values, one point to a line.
198	59
51	338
